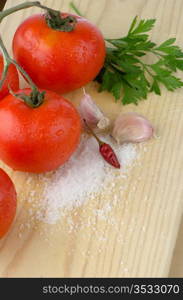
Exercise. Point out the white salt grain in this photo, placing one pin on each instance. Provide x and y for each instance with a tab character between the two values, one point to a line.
82	177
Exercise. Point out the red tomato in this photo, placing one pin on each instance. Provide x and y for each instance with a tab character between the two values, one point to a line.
8	203
38	139
57	60
11	79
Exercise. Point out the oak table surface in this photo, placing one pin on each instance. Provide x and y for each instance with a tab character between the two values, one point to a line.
139	239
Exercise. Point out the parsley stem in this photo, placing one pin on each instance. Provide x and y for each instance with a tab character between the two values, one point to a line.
118	68
145	67
156	53
75	9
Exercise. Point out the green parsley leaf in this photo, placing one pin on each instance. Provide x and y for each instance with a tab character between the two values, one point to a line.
143	26
170	82
128	77
155	87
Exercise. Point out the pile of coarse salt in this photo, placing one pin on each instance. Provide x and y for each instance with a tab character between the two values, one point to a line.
84	176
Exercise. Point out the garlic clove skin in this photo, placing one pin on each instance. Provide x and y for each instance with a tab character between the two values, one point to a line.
103	123
92	113
132	127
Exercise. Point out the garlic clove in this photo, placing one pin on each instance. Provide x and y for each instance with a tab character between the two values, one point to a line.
92	113
132	127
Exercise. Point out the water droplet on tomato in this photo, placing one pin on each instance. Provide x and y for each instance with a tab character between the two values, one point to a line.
59	132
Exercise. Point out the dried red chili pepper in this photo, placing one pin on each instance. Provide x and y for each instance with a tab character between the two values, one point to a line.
109	155
105	150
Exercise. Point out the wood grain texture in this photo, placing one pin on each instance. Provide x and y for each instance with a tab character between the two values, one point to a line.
136	238
176	268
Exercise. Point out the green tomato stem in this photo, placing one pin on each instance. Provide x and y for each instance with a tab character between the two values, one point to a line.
53	17
8	60
36	97
13	9
24	5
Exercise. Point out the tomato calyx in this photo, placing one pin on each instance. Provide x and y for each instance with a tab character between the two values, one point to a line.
55	21
34	100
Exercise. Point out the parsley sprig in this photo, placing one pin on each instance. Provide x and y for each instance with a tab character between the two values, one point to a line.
127	76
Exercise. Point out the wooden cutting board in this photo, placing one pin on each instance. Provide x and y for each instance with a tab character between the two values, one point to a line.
137	237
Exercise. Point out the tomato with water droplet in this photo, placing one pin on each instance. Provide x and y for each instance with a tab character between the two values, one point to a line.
58	60
38	139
